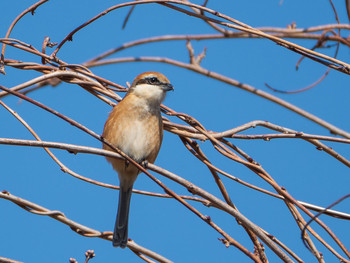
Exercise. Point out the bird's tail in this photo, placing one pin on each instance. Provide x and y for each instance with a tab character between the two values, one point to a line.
120	235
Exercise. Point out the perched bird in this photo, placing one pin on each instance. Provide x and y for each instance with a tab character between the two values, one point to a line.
135	127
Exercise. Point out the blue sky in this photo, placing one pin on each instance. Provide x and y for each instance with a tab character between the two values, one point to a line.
163	225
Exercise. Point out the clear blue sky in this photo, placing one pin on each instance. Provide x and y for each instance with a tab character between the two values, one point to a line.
165	226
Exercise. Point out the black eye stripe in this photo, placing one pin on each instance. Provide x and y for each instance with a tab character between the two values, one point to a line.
150	80
153	81
141	81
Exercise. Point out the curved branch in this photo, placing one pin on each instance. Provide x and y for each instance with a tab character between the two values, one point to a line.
7	260
191	187
71	148
333	129
316	56
76	227
233	242
30	9
278	32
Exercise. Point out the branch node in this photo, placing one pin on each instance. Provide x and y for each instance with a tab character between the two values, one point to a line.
225	242
89	255
5	192
190	188
195	61
207	218
293	25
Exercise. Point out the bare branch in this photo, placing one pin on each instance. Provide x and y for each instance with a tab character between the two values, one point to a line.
190	131
30	9
76	227
333	129
7	260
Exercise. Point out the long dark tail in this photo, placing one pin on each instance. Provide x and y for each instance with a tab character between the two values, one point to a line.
120	235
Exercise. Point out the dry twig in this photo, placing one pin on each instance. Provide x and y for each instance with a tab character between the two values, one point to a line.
55	70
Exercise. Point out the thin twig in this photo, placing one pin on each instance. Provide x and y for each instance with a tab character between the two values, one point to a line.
84	149
76	227
244	220
30	9
333	129
7	260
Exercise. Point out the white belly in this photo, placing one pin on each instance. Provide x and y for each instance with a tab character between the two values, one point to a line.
136	141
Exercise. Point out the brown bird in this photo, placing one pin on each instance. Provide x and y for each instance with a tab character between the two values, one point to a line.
135	127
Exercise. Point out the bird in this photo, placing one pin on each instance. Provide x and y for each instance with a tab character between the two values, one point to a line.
135	127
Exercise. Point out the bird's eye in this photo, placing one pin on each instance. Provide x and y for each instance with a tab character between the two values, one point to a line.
153	80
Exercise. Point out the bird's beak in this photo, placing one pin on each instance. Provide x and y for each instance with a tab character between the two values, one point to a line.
167	87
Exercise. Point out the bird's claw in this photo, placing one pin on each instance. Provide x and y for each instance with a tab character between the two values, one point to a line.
144	163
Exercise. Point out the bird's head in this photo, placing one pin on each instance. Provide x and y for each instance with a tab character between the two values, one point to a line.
151	86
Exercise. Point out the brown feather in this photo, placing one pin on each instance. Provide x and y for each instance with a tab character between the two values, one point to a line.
122	122
135	127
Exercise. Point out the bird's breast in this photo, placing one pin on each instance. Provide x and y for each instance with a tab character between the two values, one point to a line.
141	138
135	130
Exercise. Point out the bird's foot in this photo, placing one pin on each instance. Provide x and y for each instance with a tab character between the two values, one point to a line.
144	163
